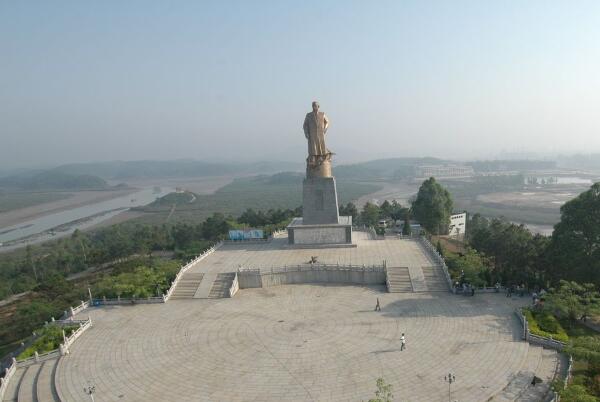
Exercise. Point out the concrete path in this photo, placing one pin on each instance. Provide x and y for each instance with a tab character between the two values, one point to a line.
301	343
276	253
205	286
417	279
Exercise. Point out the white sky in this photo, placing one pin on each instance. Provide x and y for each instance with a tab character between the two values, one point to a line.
83	81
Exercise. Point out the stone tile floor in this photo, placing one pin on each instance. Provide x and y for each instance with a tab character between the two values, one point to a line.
395	251
298	343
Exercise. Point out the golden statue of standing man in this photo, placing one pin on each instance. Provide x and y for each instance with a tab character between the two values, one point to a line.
318	163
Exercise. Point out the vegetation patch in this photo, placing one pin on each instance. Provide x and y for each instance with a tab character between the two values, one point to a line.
49	338
151	278
542	323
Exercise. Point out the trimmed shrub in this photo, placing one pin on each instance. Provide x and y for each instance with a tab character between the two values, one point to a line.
534	321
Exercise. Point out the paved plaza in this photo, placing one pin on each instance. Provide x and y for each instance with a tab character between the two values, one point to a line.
305	343
276	253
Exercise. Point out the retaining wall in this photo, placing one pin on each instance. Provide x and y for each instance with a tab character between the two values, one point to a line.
312	274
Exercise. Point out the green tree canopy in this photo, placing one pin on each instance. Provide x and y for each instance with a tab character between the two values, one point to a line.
406	230
433	206
576	238
349	210
573	301
369	214
383	393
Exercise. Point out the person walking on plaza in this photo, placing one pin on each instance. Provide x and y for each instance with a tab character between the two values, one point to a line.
402	342
377	306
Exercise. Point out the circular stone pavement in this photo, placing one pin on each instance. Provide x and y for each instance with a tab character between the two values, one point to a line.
297	343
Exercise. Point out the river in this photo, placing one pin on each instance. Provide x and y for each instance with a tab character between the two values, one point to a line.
65	222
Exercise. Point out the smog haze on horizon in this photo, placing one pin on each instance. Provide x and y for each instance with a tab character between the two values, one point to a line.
99	81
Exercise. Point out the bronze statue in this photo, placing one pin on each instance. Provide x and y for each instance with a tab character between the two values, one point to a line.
318	163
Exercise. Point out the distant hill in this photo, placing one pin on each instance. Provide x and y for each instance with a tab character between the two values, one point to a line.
121	170
50	180
392	168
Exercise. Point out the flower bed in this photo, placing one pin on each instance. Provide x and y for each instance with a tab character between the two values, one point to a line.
545	325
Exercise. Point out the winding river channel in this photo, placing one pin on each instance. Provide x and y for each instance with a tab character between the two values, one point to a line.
66	222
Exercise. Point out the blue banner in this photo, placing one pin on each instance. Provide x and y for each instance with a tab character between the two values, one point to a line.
245	234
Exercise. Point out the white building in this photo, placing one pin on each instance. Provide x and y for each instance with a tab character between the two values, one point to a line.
444	171
458	224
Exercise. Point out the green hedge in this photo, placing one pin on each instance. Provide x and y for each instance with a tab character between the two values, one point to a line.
50	338
546	325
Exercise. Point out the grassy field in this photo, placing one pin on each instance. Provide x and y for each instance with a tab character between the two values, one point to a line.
542	216
259	193
11	201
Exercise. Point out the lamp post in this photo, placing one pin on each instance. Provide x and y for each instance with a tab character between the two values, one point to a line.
89	390
450	378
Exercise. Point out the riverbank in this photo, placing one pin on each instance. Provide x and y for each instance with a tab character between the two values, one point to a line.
74	200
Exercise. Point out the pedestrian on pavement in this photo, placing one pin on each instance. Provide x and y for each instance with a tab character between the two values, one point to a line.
472	290
377	306
402	342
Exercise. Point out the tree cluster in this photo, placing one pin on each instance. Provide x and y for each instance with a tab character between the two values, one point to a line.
271	217
512	254
433	207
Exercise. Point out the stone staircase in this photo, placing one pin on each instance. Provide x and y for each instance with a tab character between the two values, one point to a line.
34	383
221	285
435	279
398	279
187	285
543	363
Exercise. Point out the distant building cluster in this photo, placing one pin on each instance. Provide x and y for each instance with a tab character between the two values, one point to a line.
442	171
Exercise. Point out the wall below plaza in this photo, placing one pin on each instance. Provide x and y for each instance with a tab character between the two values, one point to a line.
338	274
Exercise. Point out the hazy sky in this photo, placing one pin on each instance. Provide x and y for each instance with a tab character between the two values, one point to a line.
106	80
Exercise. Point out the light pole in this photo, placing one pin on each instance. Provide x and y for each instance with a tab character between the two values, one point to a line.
89	390
449	379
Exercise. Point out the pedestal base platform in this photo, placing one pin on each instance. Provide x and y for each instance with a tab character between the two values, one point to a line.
321	235
319	201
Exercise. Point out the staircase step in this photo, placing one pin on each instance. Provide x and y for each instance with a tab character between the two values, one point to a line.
12	392
398	279
221	285
27	388
187	285
435	279
45	387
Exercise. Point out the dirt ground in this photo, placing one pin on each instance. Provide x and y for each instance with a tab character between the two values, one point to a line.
78	199
541	198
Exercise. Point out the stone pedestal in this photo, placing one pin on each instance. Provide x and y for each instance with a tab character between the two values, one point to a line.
320	225
337	234
319	201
